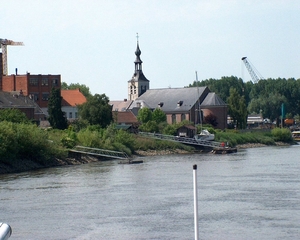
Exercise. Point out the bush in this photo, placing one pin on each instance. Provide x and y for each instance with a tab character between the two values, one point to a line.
234	138
282	134
89	138
26	141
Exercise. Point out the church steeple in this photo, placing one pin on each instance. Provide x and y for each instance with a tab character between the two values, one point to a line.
138	62
138	84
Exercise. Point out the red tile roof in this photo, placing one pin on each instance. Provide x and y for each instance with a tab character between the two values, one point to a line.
72	97
124	117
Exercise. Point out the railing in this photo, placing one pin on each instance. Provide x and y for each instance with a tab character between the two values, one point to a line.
99	152
190	141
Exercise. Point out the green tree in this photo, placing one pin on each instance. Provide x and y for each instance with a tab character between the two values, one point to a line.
269	105
83	88
96	110
144	115
150	126
56	116
237	108
159	116
13	115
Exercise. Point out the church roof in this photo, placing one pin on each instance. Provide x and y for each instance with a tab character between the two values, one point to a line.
138	76
171	99
212	99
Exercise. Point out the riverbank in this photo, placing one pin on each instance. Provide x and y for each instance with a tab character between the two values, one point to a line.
24	165
28	165
254	145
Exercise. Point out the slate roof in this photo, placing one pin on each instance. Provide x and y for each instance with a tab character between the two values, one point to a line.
72	97
171	99
17	100
212	99
120	105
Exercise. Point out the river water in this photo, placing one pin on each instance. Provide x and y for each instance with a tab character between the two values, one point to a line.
251	194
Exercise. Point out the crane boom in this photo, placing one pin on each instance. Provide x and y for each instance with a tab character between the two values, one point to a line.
3	44
255	75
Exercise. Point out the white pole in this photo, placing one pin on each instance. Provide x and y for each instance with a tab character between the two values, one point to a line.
195	202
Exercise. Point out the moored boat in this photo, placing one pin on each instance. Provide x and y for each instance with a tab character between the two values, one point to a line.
205	135
296	136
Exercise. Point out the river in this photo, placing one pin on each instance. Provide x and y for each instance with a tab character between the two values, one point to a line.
251	194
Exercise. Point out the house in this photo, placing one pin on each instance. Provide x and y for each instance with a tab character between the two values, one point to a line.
120	106
125	120
187	131
16	100
183	104
70	100
254	120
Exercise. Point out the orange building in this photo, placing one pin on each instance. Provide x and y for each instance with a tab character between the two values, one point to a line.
70	100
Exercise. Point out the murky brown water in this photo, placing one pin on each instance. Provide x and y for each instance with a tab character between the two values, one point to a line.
254	194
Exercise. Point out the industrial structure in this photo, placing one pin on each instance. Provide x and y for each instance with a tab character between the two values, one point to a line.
3	45
255	75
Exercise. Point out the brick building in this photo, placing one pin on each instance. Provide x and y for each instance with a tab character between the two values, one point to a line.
36	87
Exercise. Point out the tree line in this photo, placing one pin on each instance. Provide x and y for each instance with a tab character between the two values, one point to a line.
264	97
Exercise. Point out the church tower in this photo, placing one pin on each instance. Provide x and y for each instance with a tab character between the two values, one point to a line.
138	84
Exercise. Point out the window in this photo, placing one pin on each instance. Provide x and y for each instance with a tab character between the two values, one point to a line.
55	82
33	81
182	116
70	114
76	114
34	96
45	96
173	118
45	82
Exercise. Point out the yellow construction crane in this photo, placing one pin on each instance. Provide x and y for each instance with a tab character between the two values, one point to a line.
3	44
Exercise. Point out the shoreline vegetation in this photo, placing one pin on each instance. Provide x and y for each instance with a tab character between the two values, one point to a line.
29	165
25	147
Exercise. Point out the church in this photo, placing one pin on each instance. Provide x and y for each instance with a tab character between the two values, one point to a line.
192	104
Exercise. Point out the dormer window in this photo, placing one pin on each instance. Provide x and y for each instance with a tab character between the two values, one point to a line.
179	103
160	104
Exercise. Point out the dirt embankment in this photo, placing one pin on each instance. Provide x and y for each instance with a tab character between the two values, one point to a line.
24	165
254	145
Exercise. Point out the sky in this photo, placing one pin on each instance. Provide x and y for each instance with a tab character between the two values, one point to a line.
92	42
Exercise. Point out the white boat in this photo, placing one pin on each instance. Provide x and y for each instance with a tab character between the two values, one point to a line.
296	135
205	135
